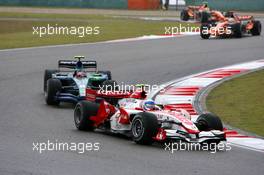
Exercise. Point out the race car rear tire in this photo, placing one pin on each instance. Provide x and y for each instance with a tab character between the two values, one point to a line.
53	87
82	113
144	127
184	15
207	122
47	75
256	30
108	73
202	29
237	30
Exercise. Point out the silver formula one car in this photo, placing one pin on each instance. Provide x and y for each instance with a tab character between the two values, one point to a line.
70	81
146	122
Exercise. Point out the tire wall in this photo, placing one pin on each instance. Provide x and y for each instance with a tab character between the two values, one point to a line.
225	5
114	4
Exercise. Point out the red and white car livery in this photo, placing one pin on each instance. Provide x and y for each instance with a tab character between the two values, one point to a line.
160	124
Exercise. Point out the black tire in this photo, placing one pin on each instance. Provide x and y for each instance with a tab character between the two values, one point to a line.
202	29
82	112
110	85
107	72
184	15
237	30
47	75
256	30
144	127
53	87
207	122
204	17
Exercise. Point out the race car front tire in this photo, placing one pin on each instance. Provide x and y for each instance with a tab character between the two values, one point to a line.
184	15
202	29
237	30
208	121
256	30
144	127
82	113
47	75
53	87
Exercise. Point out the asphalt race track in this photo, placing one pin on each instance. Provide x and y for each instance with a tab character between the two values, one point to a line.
25	118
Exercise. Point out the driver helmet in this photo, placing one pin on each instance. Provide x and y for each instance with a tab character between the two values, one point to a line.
148	105
80	74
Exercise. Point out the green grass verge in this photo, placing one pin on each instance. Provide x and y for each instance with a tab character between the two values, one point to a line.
17	28
240	102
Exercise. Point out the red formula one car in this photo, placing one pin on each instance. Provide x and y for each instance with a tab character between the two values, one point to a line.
146	122
229	25
194	12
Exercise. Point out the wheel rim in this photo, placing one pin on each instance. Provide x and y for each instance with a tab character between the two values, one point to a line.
77	116
137	128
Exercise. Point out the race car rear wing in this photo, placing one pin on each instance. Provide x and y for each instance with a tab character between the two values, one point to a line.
72	64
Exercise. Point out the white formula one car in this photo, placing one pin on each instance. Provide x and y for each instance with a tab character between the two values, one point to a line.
147	122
